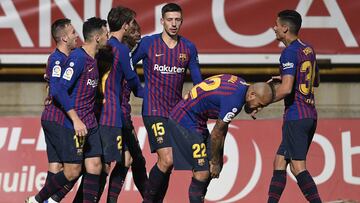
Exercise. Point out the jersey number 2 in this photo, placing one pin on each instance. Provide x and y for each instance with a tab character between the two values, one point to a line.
215	83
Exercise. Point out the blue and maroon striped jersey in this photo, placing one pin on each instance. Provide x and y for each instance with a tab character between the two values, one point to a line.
299	60
164	72
218	97
54	68
77	87
112	83
125	99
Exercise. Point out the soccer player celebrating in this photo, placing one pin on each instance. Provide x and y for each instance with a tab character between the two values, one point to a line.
299	75
52	118
219	97
166	57
120	20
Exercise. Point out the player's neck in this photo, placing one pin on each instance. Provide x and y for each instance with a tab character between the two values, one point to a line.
118	35
288	40
90	49
170	41
64	49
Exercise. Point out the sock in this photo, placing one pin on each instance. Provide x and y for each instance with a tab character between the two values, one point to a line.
153	186
59	195
139	173
79	193
53	184
277	185
116	182
164	188
197	191
308	187
103	177
91	187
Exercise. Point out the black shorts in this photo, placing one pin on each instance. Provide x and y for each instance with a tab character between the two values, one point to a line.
92	147
158	132
296	138
112	143
53	132
190	149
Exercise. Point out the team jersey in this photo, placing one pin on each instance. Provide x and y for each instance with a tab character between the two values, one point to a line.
164	72
218	97
112	83
77	87
299	60
54	68
125	99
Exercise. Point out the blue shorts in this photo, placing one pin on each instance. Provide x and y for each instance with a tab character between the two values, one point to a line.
92	147
296	138
158	132
112	143
190	149
53	132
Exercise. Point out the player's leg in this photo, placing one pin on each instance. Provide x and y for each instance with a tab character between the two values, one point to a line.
118	176
93	166
198	186
302	135
138	161
159	141
278	180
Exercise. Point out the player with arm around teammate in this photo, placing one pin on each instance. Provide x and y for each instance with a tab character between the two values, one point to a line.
194	148
299	74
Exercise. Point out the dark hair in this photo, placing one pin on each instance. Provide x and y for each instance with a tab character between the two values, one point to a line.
292	18
92	25
170	7
118	16
128	39
57	26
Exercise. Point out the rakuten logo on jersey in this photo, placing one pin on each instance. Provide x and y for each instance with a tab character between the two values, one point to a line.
92	83
164	69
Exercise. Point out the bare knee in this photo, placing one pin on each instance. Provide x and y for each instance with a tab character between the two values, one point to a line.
93	165
202	175
165	160
72	171
279	162
297	166
55	167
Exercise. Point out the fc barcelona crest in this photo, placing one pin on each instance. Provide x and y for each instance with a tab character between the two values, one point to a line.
183	57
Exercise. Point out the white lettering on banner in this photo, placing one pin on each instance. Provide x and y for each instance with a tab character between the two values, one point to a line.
15	139
23	181
12	20
45	23
223	29
329	163
219	188
3	134
348	152
335	20
158	26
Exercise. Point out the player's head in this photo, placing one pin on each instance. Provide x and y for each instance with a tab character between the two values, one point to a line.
120	18
287	22
95	31
133	36
258	96
171	18
62	31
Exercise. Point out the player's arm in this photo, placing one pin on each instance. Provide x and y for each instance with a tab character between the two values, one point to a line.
131	77
70	75
288	63
140	52
194	66
317	77
217	147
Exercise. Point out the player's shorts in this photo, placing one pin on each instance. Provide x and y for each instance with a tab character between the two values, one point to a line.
53	132
158	132
67	146
190	149
112	143
296	138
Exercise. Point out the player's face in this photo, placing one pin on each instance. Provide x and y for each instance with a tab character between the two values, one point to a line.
71	36
102	38
279	29
253	103
134	35
172	22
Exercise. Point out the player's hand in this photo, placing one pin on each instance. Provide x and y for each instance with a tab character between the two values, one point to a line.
80	128
215	170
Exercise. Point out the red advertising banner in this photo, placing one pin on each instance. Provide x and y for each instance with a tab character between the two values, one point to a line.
223	31
333	160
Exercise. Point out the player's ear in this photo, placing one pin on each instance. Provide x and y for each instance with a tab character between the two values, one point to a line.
162	21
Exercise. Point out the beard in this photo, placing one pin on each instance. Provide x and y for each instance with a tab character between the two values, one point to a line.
247	109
